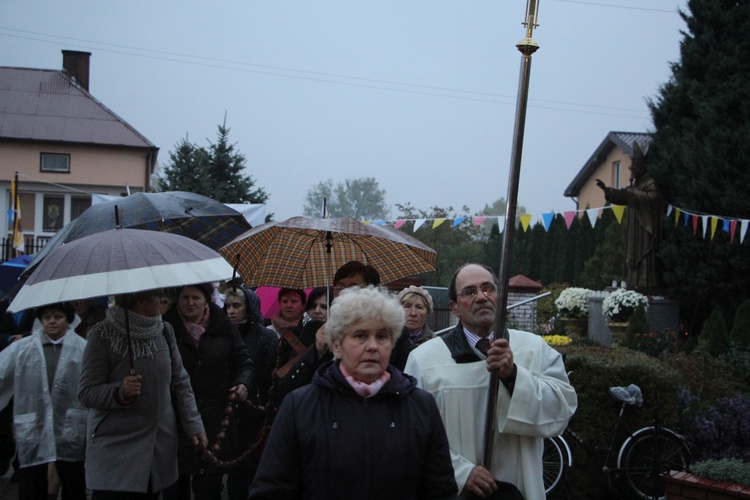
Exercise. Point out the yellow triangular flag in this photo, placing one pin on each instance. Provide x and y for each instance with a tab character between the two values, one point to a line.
618	210
525	219
437	222
714	224
676	216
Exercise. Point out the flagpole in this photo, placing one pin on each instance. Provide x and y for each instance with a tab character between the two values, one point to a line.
14	194
527	46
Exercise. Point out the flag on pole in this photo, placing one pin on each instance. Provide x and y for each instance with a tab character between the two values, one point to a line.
18	242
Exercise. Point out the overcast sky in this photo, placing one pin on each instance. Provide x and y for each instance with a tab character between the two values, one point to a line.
420	94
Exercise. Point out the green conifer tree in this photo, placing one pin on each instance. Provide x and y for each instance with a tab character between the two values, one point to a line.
700	152
740	333
714	336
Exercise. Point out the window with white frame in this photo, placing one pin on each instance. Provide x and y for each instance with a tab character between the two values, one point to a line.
616	174
55	162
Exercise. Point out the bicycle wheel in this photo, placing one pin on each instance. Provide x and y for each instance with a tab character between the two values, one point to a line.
555	462
647	457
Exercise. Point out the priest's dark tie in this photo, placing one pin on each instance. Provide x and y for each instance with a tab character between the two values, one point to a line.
483	345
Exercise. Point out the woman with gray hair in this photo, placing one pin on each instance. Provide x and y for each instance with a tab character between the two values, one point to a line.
361	429
417	304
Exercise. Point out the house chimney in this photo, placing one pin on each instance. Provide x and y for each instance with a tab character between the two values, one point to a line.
76	64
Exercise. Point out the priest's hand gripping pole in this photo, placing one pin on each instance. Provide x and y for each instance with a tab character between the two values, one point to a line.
527	46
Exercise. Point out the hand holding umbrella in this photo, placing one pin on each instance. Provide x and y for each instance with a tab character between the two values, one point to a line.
131	387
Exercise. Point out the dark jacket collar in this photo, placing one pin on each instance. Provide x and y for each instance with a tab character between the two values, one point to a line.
459	347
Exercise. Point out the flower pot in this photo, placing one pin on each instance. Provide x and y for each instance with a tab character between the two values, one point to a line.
684	486
618	329
575	327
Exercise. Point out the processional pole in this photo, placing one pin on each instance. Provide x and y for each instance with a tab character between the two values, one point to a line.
526	46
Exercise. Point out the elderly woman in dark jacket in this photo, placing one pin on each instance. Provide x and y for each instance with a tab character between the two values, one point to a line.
362	429
243	309
220	371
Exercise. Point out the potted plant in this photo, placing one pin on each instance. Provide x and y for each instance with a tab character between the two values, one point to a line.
573	307
619	305
714	479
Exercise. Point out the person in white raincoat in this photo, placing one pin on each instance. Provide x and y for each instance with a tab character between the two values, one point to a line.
535	399
41	373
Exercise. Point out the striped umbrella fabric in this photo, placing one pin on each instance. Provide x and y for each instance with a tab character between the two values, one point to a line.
119	261
294	252
188	214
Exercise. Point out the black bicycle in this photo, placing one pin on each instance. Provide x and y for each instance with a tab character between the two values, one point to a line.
641	462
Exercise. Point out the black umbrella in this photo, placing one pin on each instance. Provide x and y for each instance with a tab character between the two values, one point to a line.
188	214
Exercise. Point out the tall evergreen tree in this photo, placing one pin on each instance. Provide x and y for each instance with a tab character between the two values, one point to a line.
700	152
216	171
185	170
225	172
607	263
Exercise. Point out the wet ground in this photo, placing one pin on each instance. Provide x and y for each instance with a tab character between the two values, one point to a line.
8	489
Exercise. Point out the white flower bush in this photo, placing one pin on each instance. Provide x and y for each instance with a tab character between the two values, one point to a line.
620	304
572	302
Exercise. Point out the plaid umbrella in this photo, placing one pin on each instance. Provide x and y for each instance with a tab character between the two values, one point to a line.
119	261
295	253
188	214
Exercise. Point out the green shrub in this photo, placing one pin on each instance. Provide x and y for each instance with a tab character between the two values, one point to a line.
725	470
594	369
714	335
740	333
637	325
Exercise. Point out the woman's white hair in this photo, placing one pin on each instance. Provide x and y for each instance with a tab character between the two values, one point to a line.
356	304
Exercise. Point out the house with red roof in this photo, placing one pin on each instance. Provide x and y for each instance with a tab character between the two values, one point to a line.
65	147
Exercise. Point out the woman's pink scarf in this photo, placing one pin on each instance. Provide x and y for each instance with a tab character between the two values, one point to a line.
195	330
365	390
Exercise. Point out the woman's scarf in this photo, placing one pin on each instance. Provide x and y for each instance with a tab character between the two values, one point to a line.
363	389
195	330
280	324
143	332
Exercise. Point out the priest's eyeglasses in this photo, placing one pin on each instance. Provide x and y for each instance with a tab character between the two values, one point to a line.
470	292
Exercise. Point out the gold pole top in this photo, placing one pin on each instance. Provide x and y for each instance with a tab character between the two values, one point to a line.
528	46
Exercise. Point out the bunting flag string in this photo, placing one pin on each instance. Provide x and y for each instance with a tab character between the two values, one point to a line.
703	225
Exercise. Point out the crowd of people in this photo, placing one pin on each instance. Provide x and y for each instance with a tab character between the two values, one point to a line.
344	392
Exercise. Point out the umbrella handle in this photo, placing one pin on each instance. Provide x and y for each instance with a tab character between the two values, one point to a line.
234	272
131	359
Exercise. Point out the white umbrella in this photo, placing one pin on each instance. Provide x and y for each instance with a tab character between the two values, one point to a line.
119	261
